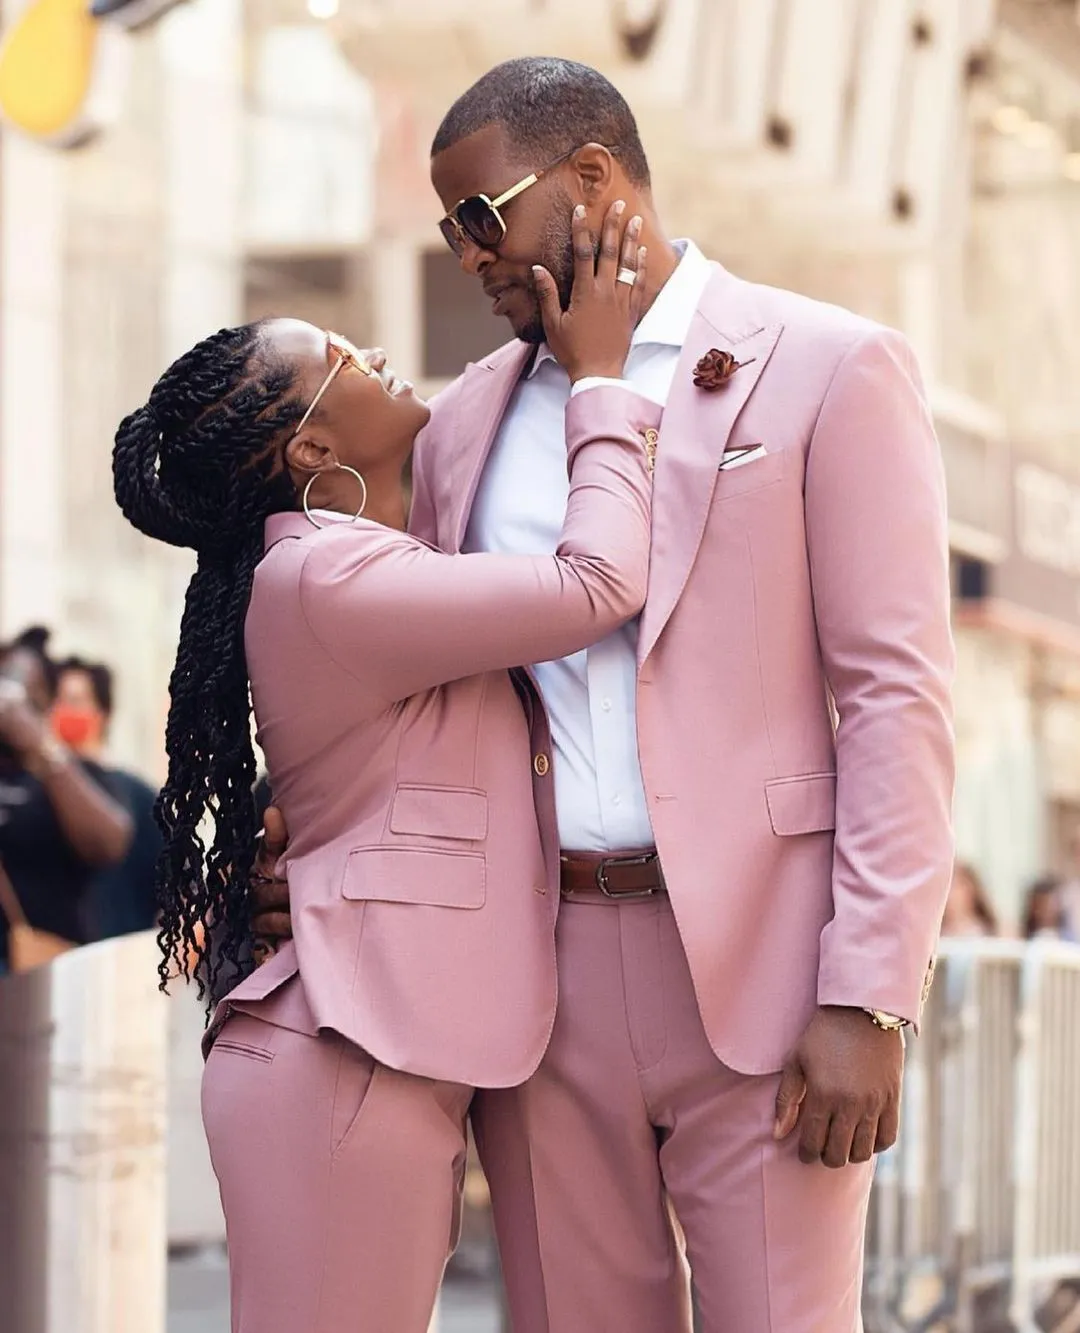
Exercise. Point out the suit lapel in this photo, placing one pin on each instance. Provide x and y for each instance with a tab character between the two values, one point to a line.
693	436
481	403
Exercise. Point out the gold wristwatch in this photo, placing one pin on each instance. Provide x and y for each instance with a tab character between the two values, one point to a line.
886	1022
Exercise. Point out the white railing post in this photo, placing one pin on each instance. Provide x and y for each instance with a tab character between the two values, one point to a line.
82	1143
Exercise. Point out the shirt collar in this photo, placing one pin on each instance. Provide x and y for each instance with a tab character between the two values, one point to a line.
667	321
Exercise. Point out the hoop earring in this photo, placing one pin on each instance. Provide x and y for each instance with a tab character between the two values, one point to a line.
341	467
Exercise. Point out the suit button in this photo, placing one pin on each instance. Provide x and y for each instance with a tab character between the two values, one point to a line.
541	765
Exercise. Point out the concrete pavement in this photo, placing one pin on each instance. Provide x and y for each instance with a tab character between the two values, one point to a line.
199	1299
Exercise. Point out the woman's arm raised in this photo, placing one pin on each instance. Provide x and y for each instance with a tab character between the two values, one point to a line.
402	617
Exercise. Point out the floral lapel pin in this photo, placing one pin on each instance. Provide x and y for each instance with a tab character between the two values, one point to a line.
715	369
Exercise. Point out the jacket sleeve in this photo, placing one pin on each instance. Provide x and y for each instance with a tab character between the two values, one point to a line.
423	519
401	617
878	547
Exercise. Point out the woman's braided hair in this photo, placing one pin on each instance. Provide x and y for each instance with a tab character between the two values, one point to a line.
197	466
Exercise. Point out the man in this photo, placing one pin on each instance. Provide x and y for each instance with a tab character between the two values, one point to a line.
122	897
60	822
746	889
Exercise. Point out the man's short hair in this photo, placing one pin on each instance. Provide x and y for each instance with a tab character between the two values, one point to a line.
548	107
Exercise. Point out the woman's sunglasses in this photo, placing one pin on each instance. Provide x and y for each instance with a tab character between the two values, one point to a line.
346	356
478	219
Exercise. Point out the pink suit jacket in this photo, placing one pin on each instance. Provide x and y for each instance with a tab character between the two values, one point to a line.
423	899
807	864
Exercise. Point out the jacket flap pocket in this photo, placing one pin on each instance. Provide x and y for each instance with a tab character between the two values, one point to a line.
803	804
427	878
440	812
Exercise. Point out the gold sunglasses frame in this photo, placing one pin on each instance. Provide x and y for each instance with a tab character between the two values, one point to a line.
345	357
495	204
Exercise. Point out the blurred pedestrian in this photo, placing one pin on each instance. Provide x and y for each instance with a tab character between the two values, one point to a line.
1069	893
59	823
122	897
1044	911
967	909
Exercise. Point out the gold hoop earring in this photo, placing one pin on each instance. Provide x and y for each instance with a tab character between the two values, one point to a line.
341	467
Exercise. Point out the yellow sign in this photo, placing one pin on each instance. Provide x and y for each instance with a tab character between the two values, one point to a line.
61	71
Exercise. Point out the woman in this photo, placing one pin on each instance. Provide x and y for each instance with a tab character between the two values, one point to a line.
339	1075
1044	914
967	908
59	824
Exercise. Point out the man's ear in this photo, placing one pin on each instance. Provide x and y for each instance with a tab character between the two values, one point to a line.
595	168
308	454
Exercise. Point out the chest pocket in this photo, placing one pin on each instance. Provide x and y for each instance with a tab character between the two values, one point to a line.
755	476
440	812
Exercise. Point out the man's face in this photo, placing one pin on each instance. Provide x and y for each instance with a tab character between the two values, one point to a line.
537	224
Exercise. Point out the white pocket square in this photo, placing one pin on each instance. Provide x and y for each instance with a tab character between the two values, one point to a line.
739	457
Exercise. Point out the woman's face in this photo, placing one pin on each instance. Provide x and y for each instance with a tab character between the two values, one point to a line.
961	901
1046	910
77	717
368	421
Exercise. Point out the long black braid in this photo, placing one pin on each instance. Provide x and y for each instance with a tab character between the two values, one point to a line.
197	466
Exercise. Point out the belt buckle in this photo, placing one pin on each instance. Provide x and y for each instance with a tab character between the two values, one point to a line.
642	860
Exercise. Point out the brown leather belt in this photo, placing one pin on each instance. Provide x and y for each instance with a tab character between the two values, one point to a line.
592	876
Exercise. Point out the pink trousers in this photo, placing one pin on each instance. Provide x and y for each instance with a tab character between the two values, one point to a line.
631	1116
340	1178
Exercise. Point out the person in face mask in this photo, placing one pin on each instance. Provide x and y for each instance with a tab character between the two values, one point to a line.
121	896
59	823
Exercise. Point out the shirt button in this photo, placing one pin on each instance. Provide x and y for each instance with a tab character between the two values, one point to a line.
616	799
605	704
541	765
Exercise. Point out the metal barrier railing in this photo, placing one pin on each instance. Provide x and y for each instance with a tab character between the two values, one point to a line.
983	1189
99	1072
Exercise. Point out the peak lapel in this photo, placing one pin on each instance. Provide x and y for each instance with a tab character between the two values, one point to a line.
693	436
479	409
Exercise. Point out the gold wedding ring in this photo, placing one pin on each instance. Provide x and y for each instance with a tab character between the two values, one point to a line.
626	275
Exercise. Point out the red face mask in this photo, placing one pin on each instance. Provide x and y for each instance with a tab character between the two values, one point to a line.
76	726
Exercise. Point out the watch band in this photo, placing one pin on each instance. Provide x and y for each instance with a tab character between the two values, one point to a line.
886	1022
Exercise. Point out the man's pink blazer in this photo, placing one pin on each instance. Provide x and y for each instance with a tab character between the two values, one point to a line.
807	864
423	900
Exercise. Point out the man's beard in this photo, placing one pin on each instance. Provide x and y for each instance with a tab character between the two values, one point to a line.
558	258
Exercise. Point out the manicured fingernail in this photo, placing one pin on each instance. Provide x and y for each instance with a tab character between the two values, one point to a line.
642	252
620	207
579	212
635	225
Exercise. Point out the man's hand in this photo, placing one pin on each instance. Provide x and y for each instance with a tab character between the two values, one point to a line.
841	1087
271	922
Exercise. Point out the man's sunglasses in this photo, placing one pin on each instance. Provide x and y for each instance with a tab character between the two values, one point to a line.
478	219
345	355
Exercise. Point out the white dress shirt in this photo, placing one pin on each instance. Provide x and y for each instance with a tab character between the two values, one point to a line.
519	508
